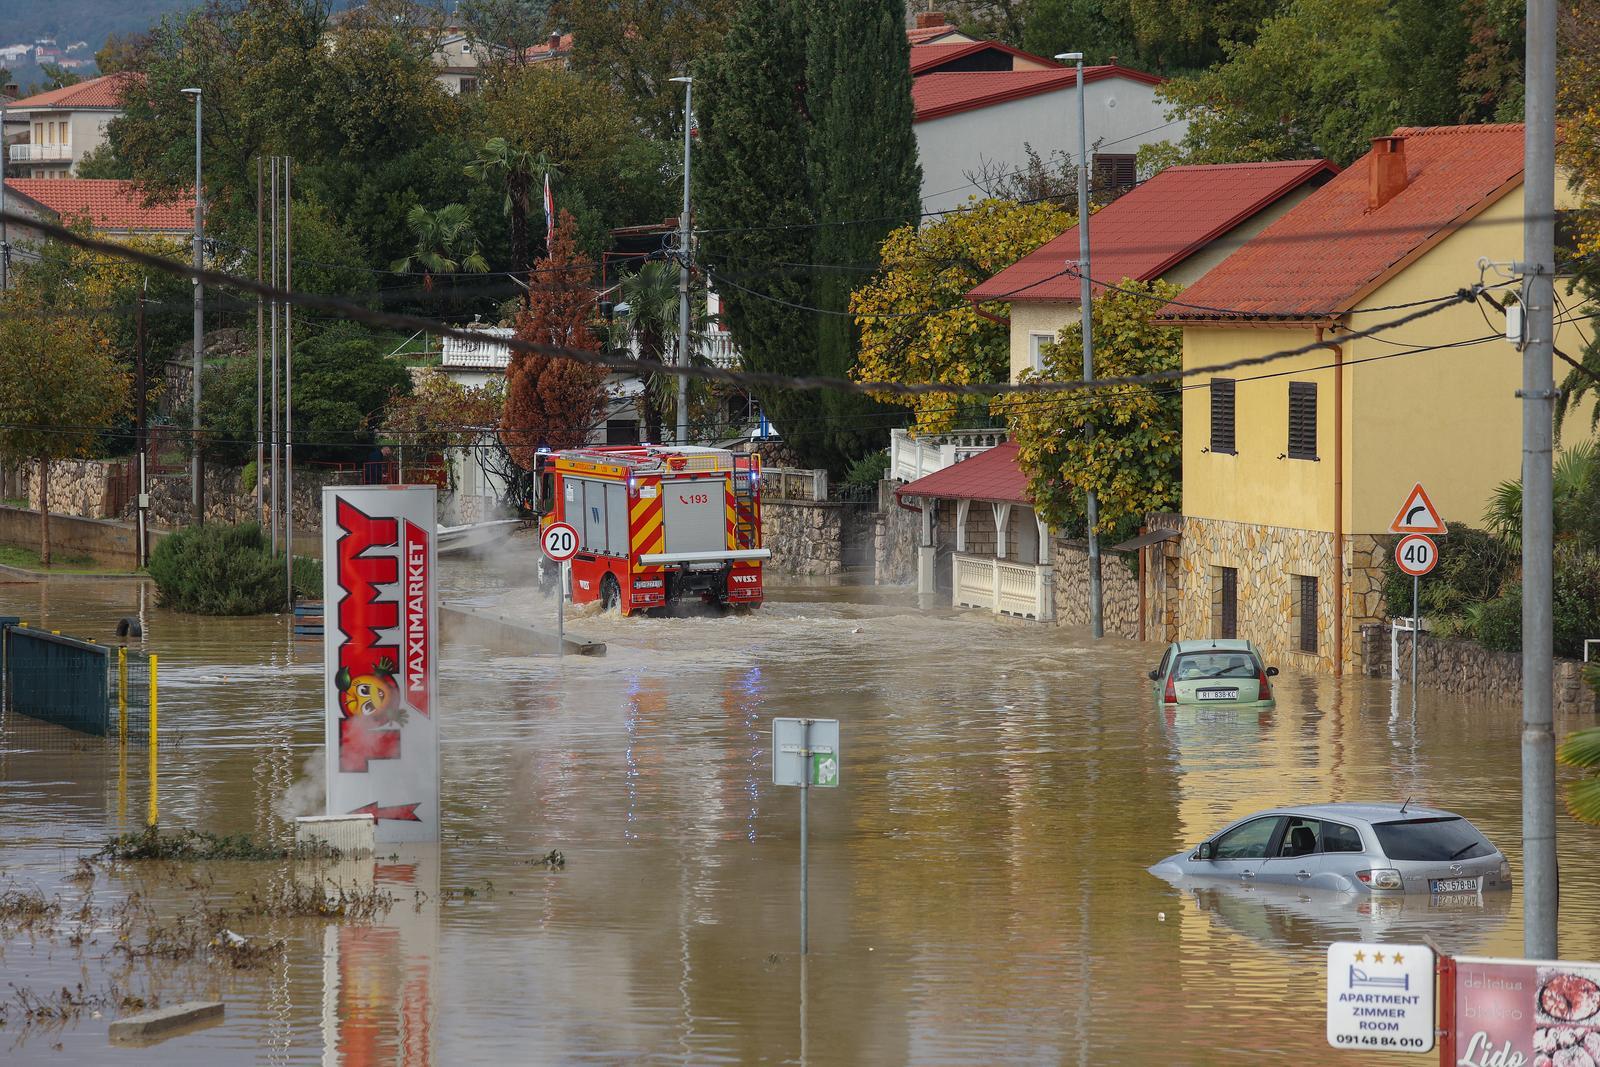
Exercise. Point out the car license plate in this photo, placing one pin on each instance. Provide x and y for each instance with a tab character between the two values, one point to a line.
1216	694
1454	885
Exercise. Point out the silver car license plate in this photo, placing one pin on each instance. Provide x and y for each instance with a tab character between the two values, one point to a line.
1454	885
1216	694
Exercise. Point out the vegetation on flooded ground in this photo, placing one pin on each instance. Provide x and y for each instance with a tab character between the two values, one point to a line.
186	846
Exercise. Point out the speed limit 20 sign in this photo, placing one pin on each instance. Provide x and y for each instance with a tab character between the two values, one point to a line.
1416	554
560	541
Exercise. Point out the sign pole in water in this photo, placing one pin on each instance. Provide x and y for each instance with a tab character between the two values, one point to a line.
805	753
1416	554
560	543
380	650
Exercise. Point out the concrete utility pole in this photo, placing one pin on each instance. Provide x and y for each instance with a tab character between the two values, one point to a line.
288	376
5	162
261	449
196	472
1085	298
1540	890
273	355
683	267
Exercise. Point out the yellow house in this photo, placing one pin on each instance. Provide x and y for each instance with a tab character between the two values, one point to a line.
1174	227
1293	470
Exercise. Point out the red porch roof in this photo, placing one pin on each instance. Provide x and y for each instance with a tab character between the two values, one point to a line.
993	476
937	95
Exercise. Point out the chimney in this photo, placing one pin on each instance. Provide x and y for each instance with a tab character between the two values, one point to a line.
929	19
555	42
1386	170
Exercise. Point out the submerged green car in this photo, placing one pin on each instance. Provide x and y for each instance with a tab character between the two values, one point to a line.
1214	673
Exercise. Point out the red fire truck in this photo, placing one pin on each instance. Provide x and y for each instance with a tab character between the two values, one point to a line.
657	524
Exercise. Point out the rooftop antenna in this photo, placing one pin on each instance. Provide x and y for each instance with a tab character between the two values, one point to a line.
1403	806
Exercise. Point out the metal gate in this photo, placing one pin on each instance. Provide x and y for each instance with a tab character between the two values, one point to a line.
58	679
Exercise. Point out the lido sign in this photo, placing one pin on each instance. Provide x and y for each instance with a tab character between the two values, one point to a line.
380	657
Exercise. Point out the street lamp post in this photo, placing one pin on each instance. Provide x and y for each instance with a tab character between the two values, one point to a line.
196	474
1096	617
683	267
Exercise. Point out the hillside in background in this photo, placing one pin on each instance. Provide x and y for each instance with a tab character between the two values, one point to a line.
23	21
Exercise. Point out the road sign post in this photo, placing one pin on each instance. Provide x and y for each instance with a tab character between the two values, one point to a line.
805	753
560	543
1416	554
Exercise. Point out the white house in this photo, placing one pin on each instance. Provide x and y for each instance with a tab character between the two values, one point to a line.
63	125
969	121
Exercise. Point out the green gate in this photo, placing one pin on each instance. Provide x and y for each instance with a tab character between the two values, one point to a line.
59	679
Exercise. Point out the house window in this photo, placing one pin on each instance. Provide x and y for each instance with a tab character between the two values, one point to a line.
1114	173
1303	613
1036	343
1222	415
1224	602
468	85
1302	420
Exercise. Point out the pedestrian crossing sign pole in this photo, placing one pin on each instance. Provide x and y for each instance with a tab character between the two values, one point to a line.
805	753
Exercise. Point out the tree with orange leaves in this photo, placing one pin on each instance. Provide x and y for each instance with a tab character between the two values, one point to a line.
553	402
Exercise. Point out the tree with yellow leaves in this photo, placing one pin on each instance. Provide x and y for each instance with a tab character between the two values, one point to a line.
1134	458
916	324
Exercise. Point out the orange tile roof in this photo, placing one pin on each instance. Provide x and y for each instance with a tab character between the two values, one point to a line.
103	92
937	95
992	475
1330	250
1146	232
109	204
920	34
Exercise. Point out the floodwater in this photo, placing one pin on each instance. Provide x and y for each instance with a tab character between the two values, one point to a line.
978	884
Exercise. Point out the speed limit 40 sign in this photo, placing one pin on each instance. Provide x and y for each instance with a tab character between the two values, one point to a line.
1416	554
560	541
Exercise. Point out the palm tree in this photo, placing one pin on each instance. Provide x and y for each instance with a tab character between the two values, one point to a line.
514	169
1573	469
647	317
1581	749
445	243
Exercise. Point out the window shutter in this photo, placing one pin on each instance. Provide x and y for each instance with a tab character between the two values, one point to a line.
1222	439
1302	420
1230	602
1308	613
1115	173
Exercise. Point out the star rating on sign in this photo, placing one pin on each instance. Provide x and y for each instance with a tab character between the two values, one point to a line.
1377	957
1361	957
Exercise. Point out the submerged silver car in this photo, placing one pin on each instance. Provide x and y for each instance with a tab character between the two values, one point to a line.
1354	848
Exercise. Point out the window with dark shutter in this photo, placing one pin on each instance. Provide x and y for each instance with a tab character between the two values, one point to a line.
1307	637
1302	420
1222	415
1230	602
1114	173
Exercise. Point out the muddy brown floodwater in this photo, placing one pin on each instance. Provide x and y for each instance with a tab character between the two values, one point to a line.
978	883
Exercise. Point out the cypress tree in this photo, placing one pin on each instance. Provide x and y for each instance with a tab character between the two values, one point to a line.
865	181
805	131
753	202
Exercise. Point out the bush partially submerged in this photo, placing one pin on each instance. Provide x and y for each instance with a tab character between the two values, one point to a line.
218	570
186	846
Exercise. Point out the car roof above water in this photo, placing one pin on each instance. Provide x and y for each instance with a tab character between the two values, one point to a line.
1367	813
1220	644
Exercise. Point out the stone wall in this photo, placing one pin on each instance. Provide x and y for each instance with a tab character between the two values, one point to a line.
894	539
1453	665
806	537
1268	559
1119	588
85	488
228	499
110	543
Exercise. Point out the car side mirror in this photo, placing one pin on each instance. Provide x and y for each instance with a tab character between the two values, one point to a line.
1272	672
1206	851
1155	676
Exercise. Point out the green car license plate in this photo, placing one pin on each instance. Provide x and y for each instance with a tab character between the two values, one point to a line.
1216	694
1454	885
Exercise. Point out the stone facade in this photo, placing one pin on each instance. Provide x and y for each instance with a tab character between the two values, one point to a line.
1268	560
84	488
1119	588
1452	665
894	539
806	537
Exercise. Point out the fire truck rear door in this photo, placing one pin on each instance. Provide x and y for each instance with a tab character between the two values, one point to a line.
695	514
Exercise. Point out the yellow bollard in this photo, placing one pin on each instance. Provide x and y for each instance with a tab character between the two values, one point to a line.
154	808
122	693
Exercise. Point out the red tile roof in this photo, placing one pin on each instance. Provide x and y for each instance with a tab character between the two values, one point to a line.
1146	232
102	92
992	475
1330	251
927	58
937	95
109	204
920	34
